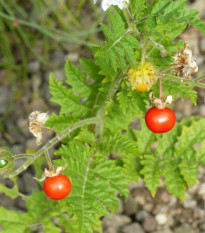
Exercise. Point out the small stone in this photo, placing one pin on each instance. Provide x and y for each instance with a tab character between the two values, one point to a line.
190	204
5	97
73	57
57	58
60	75
149	224
31	144
141	215
115	220
120	207
202	110
29	183
201	191
34	66
202	44
132	228
148	207
164	230
130	206
184	229
161	219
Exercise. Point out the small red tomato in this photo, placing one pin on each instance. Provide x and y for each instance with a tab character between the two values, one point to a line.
57	187
160	120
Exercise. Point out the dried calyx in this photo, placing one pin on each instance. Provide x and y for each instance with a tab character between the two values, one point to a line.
160	102
185	65
51	173
35	124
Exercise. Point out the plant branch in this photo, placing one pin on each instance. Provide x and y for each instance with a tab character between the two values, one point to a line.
48	158
51	143
144	50
186	81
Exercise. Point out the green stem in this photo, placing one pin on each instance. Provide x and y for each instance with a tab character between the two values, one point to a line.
144	50
101	112
186	81
199	78
48	158
52	142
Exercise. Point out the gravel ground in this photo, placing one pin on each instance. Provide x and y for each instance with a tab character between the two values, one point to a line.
141	212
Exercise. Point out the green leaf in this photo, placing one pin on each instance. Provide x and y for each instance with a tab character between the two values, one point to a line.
190	135
123	100
189	172
93	186
118	143
77	80
174	180
151	172
13	221
91	69
59	122
116	23
11	192
65	98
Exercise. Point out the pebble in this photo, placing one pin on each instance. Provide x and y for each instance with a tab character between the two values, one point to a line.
201	191
29	184
73	57
184	229
34	66
120	207
5	97
148	207
202	110
130	206
57	59
112	223
132	228
190	204
161	219
149	224
164	230
141	215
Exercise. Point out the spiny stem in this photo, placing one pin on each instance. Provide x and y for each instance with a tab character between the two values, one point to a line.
186	81
167	69
144	50
48	158
54	130
199	78
52	142
160	87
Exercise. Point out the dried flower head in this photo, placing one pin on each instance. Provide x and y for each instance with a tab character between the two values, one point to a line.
160	103
185	66
35	124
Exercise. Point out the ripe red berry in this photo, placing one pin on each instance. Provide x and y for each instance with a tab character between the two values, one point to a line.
160	120
57	187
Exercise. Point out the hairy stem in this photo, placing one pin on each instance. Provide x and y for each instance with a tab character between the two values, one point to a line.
160	87
51	143
144	50
48	158
186	81
199	78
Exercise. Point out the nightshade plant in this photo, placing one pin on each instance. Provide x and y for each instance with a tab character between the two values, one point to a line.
94	123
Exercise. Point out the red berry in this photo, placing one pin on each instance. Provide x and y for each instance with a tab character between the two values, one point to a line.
160	120
57	187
